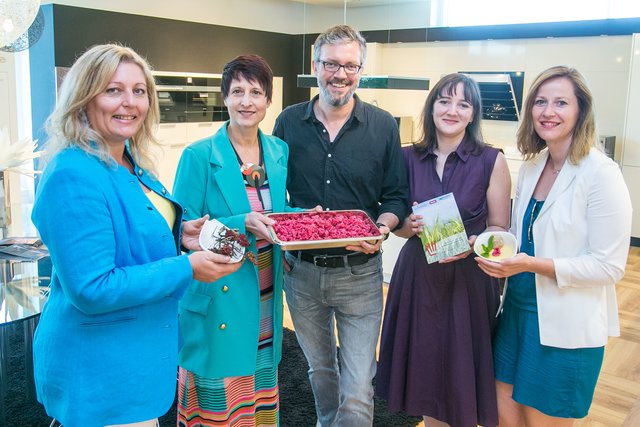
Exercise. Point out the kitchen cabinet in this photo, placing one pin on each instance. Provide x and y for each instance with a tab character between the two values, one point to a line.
196	131
631	137
174	137
390	251
631	149
172	134
632	177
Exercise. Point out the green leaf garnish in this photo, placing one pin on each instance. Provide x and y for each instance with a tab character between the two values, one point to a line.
486	249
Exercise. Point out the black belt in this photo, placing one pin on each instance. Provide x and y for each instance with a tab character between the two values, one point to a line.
335	261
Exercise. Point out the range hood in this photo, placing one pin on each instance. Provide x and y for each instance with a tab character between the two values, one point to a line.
374	82
501	94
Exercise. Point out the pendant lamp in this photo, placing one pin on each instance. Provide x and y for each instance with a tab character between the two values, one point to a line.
15	18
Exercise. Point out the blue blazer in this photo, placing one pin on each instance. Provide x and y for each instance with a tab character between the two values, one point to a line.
105	350
209	181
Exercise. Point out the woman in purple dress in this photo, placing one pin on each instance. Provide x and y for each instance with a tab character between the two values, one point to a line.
435	353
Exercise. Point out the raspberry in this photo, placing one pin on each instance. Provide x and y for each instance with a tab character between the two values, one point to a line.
323	226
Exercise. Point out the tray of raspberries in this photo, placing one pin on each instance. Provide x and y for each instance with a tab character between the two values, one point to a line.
327	229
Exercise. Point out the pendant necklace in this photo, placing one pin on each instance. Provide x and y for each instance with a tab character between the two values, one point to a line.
553	171
254	175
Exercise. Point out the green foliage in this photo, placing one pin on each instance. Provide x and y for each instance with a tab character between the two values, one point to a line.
440	231
486	249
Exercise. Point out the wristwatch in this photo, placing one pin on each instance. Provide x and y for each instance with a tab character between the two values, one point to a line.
379	224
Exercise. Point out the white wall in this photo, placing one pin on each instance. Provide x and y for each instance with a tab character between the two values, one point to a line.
15	108
8	94
631	153
604	61
6	111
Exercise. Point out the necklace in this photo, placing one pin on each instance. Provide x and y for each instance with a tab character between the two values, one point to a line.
551	166
254	175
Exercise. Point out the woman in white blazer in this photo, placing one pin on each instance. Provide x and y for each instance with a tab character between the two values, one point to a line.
572	217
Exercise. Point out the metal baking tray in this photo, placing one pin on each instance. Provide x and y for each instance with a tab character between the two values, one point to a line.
298	245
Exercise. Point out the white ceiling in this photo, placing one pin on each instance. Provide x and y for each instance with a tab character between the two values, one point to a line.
350	3
283	16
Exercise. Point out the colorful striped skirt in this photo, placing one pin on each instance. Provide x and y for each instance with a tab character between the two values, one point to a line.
249	401
246	401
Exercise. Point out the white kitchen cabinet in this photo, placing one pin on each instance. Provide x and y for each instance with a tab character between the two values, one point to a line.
172	134
514	163
168	158
197	131
631	137
632	178
390	251
631	148
173	138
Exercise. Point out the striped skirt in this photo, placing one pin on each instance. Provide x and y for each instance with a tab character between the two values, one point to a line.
246	401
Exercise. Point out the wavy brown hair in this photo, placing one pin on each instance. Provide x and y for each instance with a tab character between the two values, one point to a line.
447	86
68	125
584	133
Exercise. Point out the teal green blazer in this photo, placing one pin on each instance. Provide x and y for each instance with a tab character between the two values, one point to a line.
220	321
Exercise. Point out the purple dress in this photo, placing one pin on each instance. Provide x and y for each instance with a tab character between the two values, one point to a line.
435	351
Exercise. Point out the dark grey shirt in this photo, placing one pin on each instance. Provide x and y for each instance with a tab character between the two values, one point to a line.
361	169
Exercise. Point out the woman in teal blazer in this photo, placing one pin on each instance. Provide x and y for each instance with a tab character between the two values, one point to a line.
234	329
105	350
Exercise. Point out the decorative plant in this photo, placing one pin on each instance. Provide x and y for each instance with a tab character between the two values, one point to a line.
14	155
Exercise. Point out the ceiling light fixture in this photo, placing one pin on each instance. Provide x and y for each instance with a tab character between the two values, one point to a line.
374	82
15	18
366	82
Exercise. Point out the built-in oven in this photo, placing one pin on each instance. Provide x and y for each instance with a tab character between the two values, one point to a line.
190	97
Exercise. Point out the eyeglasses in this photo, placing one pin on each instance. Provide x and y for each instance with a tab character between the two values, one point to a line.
333	67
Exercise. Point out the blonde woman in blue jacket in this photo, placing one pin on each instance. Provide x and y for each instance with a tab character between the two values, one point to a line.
106	347
572	217
232	332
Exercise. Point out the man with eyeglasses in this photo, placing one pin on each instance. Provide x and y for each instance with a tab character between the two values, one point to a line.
343	154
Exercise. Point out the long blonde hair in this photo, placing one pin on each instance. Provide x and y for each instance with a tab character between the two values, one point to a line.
584	132
68	125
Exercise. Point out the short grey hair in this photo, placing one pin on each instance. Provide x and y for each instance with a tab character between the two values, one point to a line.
340	34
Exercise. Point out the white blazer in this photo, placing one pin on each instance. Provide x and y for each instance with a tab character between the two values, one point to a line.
584	226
